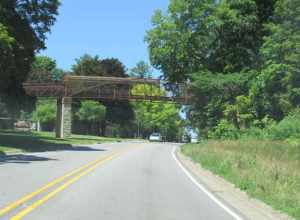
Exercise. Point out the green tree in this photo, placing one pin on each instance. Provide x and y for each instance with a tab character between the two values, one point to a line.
93	113
113	67
87	66
212	94
200	36
120	113
275	92
141	70
156	117
44	69
6	44
216	46
45	113
3	109
23	29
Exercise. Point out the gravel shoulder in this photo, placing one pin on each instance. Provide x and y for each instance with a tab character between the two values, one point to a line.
227	192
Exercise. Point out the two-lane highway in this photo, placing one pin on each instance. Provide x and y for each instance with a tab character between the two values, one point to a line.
134	181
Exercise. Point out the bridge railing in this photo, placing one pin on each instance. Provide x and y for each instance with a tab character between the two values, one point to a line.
110	88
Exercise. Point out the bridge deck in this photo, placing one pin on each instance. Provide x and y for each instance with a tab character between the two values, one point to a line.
106	88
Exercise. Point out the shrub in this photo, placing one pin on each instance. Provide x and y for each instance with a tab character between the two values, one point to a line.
289	127
46	114
224	130
254	132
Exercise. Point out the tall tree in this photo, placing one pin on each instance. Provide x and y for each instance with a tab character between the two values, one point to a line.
113	67
93	113
208	35
276	90
44	69
117	112
156	117
141	70
45	114
215	45
23	29
88	66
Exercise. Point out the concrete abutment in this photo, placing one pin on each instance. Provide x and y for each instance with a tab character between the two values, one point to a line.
64	117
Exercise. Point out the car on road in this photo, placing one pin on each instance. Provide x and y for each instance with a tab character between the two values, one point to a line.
155	137
194	140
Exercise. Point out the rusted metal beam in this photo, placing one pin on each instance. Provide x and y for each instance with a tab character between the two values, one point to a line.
106	88
111	80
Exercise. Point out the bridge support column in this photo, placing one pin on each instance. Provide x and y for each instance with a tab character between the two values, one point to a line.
64	117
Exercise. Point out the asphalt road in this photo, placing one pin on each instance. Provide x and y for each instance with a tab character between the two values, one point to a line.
134	181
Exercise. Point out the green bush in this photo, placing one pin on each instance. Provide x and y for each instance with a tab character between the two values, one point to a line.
254	132
45	113
289	127
224	130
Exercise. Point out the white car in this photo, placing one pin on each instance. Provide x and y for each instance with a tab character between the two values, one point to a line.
155	137
194	140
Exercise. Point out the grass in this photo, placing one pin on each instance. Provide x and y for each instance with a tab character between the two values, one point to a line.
267	170
44	141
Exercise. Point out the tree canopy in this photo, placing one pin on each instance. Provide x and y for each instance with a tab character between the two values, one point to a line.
241	58
141	70
44	69
217	36
91	111
116	112
88	65
45	113
23	29
157	117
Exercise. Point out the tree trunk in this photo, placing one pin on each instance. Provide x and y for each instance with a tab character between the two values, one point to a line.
103	128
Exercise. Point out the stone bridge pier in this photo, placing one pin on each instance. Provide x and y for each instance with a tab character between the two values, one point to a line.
64	117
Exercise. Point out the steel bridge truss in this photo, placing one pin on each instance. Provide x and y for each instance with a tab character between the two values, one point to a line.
108	88
102	88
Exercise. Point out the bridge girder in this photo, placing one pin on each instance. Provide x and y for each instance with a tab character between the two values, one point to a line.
102	88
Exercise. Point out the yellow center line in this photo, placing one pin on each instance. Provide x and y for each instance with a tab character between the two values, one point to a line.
38	203
26	198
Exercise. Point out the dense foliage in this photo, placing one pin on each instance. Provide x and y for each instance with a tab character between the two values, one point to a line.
88	65
44	69
157	117
141	70
240	57
93	113
23	29
45	114
120	113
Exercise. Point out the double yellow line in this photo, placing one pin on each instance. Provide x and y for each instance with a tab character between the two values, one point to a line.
76	175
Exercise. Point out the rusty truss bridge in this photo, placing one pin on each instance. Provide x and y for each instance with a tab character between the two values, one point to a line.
105	89
108	88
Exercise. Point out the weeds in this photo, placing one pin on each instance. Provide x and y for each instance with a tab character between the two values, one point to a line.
267	170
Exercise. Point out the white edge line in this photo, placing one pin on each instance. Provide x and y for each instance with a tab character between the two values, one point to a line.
201	187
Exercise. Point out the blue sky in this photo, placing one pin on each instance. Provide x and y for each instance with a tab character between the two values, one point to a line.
114	28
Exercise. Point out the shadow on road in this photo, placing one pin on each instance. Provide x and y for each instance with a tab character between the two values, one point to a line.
26	159
30	143
21	158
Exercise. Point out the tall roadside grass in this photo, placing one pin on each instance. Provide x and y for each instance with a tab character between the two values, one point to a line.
266	169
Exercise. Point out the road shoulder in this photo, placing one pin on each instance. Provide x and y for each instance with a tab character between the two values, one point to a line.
248	207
